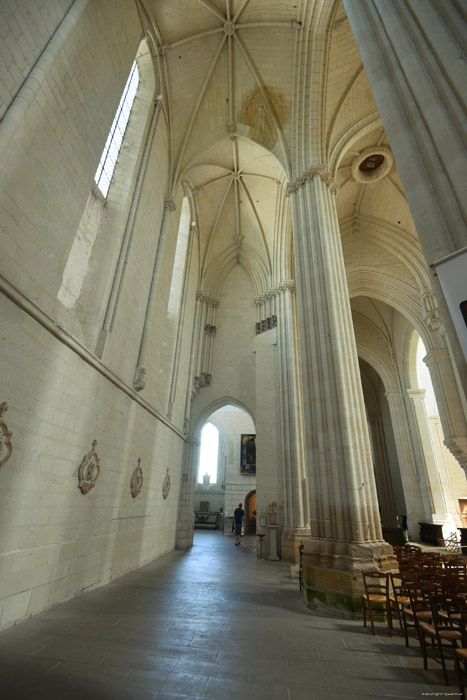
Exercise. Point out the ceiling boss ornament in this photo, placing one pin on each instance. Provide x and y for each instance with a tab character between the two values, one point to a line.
136	482
89	470
5	435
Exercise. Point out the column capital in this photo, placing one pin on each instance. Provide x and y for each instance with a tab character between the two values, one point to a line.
169	204
434	356
416	393
457	446
206	299
308	176
393	393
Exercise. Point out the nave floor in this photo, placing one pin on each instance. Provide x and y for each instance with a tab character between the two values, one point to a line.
214	623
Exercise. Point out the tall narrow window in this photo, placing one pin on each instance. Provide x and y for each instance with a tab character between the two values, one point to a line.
208	454
424	381
111	150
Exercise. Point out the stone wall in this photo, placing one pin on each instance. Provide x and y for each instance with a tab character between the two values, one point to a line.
65	384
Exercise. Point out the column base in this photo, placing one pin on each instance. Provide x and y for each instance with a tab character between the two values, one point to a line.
291	539
333	580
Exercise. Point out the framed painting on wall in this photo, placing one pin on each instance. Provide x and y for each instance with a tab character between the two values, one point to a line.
248	454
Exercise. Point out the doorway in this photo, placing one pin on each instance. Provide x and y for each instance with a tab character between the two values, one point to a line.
250	513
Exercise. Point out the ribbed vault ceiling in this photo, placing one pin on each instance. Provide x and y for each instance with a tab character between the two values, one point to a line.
241	108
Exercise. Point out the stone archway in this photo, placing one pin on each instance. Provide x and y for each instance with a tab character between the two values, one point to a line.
250	513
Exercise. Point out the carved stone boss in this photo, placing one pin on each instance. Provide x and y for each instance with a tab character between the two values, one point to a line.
89	470
136	482
5	435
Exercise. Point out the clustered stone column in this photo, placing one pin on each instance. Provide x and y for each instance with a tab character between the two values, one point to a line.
296	510
181	324
449	403
426	457
205	331
139	381
186	516
344	508
382	471
277	309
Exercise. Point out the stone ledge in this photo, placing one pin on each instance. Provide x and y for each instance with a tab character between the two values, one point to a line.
335	589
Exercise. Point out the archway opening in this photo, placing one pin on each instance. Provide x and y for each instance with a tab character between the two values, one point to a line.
226	468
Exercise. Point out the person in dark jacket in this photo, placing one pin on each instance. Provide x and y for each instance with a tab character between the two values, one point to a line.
239	515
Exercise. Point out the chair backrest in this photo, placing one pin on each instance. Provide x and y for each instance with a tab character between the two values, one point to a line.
433	577
457	587
376	583
409	573
413	549
446	610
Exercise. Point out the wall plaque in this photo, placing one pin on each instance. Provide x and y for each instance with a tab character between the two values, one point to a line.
136	482
89	470
5	435
166	485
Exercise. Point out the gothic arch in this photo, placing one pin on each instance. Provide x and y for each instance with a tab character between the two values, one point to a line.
222	265
203	417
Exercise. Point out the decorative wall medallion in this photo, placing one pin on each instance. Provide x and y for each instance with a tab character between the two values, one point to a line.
166	485
136	480
89	470
5	435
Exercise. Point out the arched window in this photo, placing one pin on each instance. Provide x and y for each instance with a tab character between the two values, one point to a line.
95	250
209	453
113	144
424	381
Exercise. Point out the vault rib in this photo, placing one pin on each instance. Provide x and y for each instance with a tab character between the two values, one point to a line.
213	9
214	227
237	214
214	181
198	103
192	37
230	79
240	11
266	99
265	177
258	220
258	25
339	105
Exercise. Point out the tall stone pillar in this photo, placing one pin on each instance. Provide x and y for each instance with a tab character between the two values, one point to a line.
345	525
139	381
186	516
268	479
382	473
413	54
427	458
417	501
449	403
296	505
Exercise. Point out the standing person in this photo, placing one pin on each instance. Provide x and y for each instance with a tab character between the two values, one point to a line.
239	515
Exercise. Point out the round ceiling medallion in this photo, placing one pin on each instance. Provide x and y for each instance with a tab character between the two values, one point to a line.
229	28
372	164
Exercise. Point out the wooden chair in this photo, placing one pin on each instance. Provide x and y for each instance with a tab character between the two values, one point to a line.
399	601
418	609
443	630
460	655
376	597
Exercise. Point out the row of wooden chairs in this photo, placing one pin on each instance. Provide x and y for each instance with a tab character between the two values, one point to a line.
431	603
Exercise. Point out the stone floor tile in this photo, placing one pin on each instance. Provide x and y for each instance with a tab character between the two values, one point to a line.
227	688
211	623
212	669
